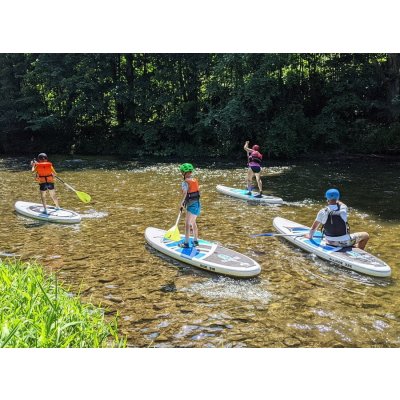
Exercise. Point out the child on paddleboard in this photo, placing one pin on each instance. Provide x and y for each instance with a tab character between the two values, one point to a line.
333	219
254	167
45	173
190	201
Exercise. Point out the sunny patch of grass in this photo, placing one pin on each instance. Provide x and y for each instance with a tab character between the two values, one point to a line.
35	311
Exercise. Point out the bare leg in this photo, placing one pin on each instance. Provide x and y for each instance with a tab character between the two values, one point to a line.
193	224
43	196
250	175
364	240
187	227
54	197
259	181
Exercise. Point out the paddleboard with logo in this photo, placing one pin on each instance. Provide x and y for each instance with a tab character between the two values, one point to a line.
207	255
36	211
348	257
242	194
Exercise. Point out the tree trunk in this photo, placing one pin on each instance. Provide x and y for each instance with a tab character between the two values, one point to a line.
130	78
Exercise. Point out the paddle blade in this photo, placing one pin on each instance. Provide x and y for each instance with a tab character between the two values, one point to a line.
83	197
173	234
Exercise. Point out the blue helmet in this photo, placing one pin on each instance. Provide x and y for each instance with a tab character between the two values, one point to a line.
332	194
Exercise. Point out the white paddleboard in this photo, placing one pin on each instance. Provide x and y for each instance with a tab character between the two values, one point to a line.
36	211
348	257
242	194
208	256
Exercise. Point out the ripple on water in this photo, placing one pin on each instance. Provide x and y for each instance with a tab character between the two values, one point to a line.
228	288
6	254
94	214
380	325
303	203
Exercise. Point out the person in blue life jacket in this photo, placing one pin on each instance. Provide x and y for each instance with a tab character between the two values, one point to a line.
333	219
191	202
254	167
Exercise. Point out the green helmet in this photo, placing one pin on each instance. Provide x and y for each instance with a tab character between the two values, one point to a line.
186	168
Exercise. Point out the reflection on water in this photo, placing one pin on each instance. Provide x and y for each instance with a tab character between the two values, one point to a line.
297	300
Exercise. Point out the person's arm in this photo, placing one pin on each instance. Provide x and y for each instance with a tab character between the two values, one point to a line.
33	165
185	189
343	211
314	227
53	171
246	147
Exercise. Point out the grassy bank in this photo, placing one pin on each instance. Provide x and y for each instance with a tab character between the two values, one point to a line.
35	311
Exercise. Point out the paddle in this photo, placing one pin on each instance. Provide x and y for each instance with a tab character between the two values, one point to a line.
82	195
278	234
173	233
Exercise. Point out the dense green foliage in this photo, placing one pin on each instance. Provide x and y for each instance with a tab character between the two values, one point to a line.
36	312
199	104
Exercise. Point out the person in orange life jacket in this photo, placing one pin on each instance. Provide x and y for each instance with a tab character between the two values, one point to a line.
254	167
333	218
45	173
190	201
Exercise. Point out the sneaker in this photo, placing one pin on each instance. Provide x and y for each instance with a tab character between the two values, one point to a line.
184	245
258	196
195	243
248	193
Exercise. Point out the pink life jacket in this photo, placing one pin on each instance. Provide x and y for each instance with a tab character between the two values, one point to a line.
255	157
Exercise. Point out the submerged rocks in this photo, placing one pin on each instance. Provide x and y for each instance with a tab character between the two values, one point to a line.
292	342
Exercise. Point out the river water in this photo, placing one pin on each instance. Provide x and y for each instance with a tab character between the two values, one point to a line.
296	301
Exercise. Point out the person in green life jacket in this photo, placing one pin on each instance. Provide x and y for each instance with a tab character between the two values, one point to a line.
191	202
254	167
45	173
333	219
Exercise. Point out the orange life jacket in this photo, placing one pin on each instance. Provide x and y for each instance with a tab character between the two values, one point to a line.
44	172
193	191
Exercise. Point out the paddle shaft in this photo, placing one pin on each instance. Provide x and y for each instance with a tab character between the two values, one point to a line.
66	184
278	234
179	217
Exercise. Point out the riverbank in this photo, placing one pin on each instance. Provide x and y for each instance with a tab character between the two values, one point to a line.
237	158
36	311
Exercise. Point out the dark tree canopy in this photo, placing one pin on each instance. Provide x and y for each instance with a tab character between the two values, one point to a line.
199	104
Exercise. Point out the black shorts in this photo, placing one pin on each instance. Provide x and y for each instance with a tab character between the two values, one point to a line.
256	170
46	185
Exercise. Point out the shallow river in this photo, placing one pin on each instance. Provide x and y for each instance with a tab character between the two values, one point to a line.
296	301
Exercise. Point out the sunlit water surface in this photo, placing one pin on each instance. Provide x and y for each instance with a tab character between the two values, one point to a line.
296	301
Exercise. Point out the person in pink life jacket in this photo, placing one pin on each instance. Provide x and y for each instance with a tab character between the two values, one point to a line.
254	167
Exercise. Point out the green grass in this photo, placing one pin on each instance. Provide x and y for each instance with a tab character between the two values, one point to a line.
35	311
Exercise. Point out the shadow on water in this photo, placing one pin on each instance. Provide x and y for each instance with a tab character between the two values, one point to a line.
372	187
